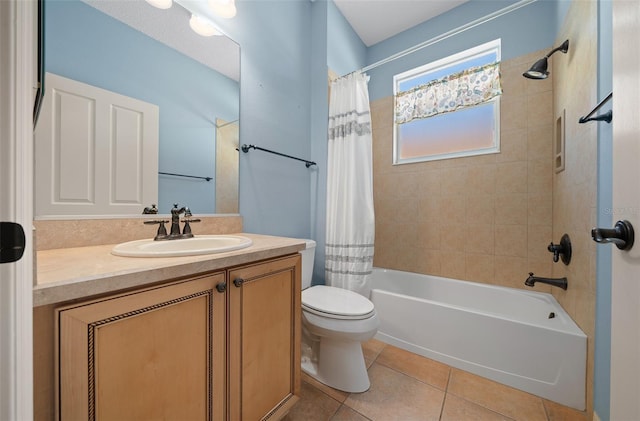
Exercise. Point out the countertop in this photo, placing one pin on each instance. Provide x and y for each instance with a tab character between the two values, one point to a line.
79	272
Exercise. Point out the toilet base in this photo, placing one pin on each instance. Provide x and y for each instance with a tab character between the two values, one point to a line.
340	365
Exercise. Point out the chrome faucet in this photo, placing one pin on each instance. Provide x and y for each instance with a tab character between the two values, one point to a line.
556	282
175	233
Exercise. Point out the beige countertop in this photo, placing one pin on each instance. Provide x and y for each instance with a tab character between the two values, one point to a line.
79	272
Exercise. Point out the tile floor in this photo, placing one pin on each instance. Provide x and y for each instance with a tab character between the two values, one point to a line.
406	387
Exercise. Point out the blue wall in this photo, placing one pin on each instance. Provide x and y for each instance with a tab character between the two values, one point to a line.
346	52
336	46
86	45
522	31
275	113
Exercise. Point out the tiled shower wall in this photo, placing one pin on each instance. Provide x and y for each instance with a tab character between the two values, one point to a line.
485	218
575	188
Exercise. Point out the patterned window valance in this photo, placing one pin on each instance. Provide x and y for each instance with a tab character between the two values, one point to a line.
469	87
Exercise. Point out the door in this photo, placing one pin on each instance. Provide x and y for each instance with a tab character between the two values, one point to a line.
17	45
625	308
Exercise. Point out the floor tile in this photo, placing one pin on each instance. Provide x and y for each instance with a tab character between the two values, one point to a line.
406	386
371	349
416	366
510	402
557	412
396	396
347	414
458	409
312	406
336	394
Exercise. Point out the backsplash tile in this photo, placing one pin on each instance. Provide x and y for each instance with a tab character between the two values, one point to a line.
55	234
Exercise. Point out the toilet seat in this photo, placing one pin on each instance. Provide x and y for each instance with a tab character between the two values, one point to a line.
336	303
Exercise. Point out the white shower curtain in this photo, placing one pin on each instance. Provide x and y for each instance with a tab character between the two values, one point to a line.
350	217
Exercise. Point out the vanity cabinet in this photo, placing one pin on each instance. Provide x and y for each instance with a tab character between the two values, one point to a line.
218	346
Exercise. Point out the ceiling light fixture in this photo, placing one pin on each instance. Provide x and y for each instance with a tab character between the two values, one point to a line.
539	68
223	8
160	4
203	26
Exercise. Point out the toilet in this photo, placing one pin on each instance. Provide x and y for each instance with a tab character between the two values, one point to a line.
335	321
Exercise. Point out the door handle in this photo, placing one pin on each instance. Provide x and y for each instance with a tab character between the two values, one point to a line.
12	242
621	235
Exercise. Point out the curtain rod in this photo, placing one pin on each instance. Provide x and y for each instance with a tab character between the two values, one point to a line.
449	34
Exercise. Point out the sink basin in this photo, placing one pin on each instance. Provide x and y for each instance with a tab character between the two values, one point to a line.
200	244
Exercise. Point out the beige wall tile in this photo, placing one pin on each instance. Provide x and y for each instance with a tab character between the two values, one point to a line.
453	237
511	177
538	145
480	268
452	265
511	209
453	181
539	108
53	234
479	239
511	240
454	217
481	179
513	145
511	271
453	209
513	113
539	209
538	239
481	209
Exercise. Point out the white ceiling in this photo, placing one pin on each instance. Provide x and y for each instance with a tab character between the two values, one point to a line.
171	27
377	20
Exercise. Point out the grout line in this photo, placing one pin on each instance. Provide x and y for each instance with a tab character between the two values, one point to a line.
444	400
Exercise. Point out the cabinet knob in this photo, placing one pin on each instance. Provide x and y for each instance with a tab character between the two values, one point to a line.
221	287
238	282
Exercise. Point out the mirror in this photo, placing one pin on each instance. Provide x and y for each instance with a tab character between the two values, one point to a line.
137	50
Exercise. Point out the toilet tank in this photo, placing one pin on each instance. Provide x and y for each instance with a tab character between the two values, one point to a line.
308	256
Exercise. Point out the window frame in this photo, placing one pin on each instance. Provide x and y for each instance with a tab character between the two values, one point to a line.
452	60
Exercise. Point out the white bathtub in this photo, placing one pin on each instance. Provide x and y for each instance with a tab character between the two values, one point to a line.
504	334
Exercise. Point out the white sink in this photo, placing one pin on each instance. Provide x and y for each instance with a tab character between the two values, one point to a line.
200	244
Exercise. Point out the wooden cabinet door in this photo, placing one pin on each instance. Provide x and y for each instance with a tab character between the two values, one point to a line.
159	353
264	335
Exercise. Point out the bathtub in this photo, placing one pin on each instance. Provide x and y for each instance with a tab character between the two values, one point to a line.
523	339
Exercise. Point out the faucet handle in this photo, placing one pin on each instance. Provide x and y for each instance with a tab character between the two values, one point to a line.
562	250
162	230
186	231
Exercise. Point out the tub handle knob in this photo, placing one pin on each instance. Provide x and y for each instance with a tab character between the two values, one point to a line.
562	250
621	235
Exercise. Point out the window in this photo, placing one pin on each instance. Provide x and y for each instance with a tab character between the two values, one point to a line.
428	127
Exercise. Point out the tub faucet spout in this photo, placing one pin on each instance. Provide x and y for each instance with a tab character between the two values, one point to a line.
556	282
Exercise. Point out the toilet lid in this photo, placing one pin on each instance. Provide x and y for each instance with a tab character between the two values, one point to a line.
334	301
